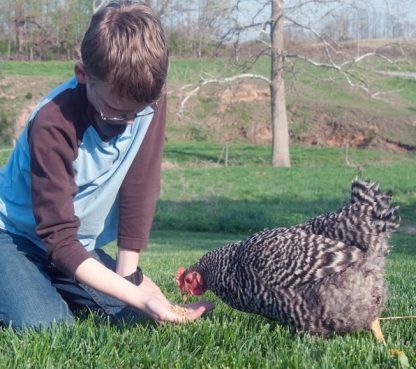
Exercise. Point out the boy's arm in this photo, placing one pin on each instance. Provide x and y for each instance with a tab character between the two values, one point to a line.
127	261
53	148
145	297
141	186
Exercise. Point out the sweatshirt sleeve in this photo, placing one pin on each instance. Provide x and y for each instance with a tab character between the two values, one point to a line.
52	152
141	186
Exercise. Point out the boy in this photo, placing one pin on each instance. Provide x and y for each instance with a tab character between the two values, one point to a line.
86	171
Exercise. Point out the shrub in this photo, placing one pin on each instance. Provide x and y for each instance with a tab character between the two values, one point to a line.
6	130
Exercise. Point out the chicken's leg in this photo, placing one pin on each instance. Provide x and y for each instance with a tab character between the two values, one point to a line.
378	334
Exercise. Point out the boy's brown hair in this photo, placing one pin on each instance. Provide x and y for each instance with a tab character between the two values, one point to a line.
125	46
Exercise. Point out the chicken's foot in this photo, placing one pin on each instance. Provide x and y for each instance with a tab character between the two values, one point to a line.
378	334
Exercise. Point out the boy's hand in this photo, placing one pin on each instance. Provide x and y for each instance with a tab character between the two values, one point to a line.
146	297
161	310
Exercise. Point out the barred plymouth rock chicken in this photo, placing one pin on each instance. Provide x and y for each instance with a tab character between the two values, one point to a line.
323	277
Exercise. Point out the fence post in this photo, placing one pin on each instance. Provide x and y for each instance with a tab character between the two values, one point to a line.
224	153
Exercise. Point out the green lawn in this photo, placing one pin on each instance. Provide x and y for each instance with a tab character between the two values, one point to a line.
250	195
224	338
226	204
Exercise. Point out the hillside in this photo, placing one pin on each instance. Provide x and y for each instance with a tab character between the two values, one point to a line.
370	104
323	109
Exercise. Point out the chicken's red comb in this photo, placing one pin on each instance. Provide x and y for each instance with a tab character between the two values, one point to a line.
180	276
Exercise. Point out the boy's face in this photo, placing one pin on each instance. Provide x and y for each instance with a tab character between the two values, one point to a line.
111	108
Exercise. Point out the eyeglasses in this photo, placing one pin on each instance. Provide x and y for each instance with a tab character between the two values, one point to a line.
141	113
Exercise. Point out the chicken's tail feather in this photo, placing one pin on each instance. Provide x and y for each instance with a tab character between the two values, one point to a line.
371	217
367	219
375	204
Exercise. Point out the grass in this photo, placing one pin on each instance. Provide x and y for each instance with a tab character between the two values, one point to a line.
41	69
199	192
406	87
223	339
210	197
184	71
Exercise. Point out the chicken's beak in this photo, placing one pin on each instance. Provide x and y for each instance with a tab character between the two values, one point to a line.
185	296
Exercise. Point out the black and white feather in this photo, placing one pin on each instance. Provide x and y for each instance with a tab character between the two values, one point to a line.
325	276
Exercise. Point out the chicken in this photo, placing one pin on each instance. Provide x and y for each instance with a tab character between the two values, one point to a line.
322	277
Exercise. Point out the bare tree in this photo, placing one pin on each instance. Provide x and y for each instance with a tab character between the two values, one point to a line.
280	138
98	4
19	22
350	23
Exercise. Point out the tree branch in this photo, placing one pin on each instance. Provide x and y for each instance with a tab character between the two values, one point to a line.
203	82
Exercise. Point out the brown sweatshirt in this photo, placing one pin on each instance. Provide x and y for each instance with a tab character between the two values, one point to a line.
55	135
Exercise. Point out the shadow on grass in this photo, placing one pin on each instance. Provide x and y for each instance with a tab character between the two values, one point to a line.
190	155
219	220
218	214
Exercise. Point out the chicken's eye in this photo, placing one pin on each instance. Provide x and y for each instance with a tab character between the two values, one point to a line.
188	279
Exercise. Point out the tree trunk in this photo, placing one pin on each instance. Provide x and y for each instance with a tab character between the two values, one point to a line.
19	24
20	36
9	49
280	132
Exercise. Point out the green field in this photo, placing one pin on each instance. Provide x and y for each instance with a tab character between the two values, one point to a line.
203	205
